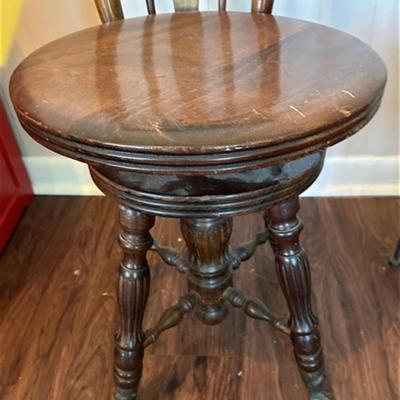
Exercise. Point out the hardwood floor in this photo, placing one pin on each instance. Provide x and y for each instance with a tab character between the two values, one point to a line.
57	309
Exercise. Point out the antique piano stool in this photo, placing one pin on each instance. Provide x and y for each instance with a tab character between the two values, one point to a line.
202	117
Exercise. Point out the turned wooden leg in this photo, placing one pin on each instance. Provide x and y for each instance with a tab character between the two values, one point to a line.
133	290
294	276
209	271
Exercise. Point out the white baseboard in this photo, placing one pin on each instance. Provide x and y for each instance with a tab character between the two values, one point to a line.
357	176
56	175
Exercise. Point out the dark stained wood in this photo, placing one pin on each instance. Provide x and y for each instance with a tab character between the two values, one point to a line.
109	10
209	272
57	308
246	250
294	276
255	308
202	116
273	83
171	257
263	6
151	8
209	195
133	292
239	254
172	317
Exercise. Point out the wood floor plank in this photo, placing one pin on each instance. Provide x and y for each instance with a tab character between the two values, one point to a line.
57	308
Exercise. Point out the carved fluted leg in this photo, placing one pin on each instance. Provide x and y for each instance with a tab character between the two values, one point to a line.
294	276
133	290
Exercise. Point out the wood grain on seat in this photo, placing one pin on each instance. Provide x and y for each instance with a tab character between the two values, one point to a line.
200	83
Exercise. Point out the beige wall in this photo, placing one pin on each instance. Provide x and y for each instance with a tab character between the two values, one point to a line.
40	22
365	164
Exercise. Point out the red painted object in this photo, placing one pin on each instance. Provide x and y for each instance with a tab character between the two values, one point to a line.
15	187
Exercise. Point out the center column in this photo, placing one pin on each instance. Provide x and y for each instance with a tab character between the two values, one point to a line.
209	272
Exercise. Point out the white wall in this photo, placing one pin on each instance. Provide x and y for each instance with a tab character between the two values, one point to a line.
366	164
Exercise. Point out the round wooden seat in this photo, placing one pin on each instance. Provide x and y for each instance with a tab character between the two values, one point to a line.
188	92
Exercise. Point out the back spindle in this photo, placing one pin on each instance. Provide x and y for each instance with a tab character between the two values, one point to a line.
262	6
186	5
151	8
109	10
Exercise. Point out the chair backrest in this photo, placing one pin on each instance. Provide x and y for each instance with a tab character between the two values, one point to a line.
111	10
